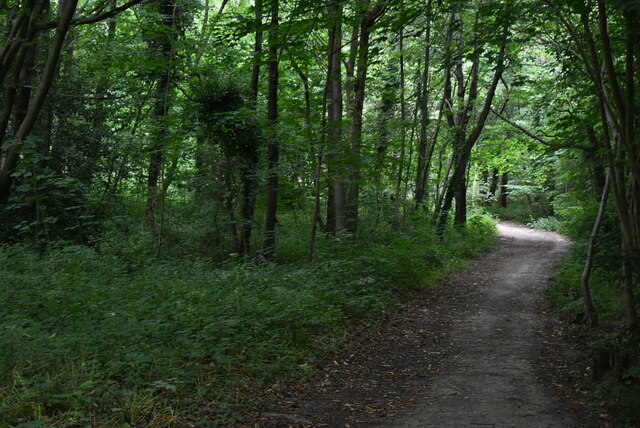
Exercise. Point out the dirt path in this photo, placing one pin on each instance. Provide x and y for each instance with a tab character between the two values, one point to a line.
466	354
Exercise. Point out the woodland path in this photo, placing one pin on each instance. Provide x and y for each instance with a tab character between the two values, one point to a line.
469	353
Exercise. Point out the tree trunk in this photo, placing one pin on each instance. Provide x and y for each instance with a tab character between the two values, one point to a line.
316	179
403	125
460	217
421	177
493	187
273	147
591	316
248	169
165	39
454	187
352	201
504	191
9	160
257	51
336	199
228	199
616	103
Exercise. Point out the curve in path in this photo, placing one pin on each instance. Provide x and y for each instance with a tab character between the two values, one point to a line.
464	354
492	381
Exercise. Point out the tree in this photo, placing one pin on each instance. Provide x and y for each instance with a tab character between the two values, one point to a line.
162	39
19	108
613	83
336	204
424	158
464	142
370	15
272	144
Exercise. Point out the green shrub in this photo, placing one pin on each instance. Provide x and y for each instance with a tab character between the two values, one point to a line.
111	335
547	223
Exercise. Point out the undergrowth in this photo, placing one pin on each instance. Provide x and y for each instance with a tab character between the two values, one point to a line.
617	384
95	336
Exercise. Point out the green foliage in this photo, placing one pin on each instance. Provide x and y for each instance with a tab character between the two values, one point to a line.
117	317
546	223
621	391
46	205
114	337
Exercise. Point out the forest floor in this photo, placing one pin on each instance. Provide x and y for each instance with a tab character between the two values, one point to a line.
478	350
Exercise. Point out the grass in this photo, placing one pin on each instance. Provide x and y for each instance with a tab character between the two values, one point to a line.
91	338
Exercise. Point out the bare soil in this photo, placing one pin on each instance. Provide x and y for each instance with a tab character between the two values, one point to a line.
475	351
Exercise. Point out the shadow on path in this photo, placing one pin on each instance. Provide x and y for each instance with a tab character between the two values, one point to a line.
463	355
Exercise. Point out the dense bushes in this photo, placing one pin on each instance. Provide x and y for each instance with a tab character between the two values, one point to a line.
90	337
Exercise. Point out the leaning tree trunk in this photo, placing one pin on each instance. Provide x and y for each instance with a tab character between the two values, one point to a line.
10	157
591	316
460	169
618	117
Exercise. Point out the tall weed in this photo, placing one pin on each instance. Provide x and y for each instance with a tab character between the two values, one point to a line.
109	336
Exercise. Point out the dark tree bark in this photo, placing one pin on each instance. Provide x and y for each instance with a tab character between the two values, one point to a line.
315	216
504	191
493	187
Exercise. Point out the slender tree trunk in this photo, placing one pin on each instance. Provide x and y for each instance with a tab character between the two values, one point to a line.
228	199
407	175
504	191
316	179
336	199
403	125
591	316
273	146
492	180
352	201
248	169
424	118
257	51
618	116
162	103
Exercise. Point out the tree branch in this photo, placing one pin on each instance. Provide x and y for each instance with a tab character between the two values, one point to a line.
93	18
534	136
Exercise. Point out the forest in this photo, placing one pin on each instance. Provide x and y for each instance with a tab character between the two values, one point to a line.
201	199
